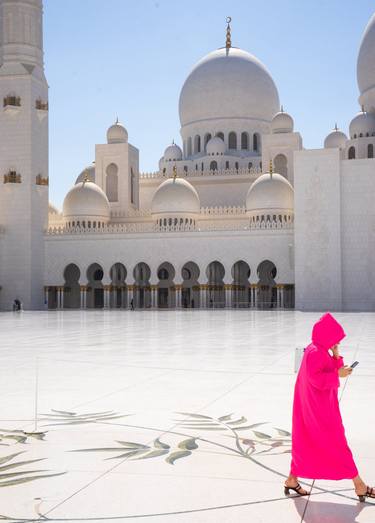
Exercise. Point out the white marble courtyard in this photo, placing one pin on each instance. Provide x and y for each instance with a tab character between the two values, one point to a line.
180	416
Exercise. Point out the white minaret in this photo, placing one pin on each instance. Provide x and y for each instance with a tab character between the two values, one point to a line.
23	153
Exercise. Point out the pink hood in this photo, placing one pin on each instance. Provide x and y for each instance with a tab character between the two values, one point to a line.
327	332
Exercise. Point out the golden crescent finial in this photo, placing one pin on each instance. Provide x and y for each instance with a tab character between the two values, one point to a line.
271	168
228	41
174	171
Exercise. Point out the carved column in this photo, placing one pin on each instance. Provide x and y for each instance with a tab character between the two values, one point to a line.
60	297
123	297
178	288
278	296
203	296
282	296
228	295
83	296
130	295
256	295
154	296
252	295
106	296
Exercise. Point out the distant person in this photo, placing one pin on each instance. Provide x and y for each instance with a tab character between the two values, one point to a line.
319	446
132	304
17	306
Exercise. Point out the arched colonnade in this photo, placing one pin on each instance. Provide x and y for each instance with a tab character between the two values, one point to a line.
196	287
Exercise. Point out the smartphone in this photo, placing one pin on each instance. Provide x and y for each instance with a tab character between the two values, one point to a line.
354	364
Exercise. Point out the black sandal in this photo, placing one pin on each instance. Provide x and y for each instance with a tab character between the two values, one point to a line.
370	493
297	489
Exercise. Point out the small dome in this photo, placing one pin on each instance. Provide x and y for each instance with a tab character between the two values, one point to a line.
335	139
173	153
282	123
117	133
88	171
270	193
215	146
363	124
85	201
175	196
52	209
161	163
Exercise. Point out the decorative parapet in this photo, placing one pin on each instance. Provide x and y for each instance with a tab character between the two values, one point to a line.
39	180
12	177
271	225
220	210
175	228
122	228
254	172
131	213
112	228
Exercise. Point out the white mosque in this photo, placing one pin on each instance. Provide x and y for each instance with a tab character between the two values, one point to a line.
240	215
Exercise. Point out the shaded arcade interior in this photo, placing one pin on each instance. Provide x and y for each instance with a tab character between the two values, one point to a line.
191	287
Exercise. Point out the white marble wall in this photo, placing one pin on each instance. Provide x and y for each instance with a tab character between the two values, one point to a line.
358	234
176	248
317	231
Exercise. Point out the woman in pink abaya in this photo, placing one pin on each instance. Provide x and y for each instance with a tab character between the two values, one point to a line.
319	446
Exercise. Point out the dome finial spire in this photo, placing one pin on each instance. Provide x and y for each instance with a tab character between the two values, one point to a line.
363	108
336	128
86	177
271	168
282	109
174	176
228	42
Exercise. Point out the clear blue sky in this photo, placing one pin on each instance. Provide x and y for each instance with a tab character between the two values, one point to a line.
130	58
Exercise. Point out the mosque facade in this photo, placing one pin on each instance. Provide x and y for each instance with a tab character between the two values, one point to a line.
238	215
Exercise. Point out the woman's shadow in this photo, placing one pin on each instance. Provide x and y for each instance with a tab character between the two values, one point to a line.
330	512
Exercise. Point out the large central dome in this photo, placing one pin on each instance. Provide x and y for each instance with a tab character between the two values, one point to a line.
228	83
366	67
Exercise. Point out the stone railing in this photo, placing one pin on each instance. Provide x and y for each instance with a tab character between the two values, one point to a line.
242	226
175	228
138	213
217	210
254	172
271	225
227	210
112	228
122	228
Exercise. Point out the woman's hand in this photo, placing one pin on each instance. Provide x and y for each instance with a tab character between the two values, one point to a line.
345	371
335	351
